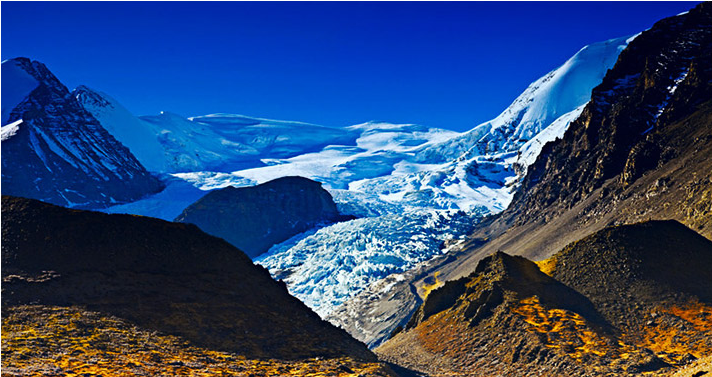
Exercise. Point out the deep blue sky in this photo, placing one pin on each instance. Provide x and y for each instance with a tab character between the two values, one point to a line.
449	65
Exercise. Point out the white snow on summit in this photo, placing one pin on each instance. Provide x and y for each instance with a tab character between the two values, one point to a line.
480	168
10	130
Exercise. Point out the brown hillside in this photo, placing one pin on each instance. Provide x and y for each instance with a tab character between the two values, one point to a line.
130	284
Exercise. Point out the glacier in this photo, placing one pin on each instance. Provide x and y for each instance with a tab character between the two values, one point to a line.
324	267
462	178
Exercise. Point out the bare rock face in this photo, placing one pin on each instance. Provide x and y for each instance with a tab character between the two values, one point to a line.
55	151
662	77
255	218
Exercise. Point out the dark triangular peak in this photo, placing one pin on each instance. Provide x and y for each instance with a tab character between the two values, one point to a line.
495	277
54	150
505	318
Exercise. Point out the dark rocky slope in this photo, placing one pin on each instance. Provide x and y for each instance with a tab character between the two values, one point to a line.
623	301
255	218
639	151
59	153
159	276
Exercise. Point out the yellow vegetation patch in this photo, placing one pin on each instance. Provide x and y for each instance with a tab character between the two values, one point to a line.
564	330
39	340
688	331
547	266
427	288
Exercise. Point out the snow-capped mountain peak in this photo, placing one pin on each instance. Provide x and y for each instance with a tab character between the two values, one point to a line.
545	100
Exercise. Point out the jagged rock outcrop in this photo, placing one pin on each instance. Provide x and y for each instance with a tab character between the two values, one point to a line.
255	218
54	150
661	78
623	301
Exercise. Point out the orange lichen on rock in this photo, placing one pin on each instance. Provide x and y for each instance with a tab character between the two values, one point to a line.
40	340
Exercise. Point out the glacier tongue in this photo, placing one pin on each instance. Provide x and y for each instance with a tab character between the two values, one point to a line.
325	267
475	172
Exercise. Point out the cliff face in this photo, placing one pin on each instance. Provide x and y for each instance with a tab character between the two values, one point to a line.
664	76
160	276
255	218
639	151
55	151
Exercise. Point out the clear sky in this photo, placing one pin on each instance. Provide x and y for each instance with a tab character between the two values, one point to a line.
443	64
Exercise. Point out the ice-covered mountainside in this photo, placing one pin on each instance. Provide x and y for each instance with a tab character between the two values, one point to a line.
219	150
55	151
401	178
545	100
416	166
479	167
402	164
376	149
325	267
170	143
